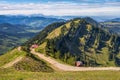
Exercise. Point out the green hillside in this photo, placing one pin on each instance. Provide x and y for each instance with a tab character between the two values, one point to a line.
33	64
79	39
28	62
10	56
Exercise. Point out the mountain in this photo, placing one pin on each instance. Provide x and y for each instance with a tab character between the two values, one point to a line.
97	18
33	22
113	25
78	39
113	20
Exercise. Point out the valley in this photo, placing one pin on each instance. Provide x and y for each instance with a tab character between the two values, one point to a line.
15	30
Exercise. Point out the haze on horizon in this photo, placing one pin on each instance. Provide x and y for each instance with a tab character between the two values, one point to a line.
61	8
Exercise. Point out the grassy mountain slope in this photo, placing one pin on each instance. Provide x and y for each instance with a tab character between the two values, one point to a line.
80	39
29	62
10	56
45	32
32	63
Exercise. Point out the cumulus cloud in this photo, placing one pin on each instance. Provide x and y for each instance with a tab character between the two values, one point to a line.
61	8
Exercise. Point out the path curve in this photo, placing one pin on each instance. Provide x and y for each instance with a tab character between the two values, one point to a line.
10	64
64	67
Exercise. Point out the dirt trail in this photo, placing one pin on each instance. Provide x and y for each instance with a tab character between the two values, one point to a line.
10	64
70	68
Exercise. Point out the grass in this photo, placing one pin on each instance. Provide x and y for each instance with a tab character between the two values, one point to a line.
55	33
28	63
68	25
11	74
82	40
41	48
89	27
32	63
77	21
101	59
10	56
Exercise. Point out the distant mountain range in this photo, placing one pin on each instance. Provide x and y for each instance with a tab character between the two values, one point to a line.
97	18
113	20
33	22
113	25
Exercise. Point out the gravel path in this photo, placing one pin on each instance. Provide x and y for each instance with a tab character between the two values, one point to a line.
70	68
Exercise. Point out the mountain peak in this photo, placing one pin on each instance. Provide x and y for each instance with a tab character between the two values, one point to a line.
79	39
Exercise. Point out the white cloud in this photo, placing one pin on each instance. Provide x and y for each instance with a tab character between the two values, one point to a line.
61	8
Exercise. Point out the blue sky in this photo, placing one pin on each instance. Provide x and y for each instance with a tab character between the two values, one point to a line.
61	7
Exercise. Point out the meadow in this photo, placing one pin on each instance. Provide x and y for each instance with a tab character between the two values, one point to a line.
11	74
